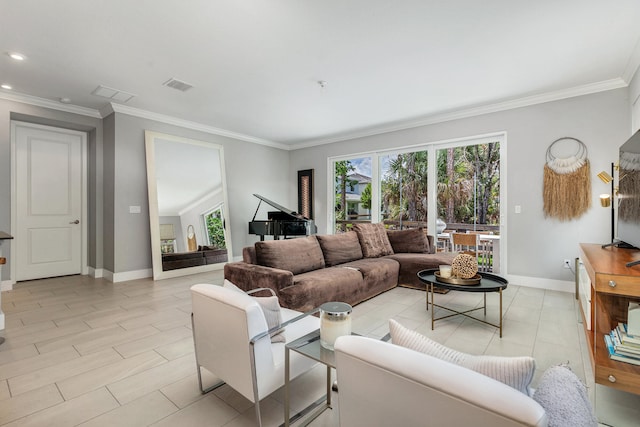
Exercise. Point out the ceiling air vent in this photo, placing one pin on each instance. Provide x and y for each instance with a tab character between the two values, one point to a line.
178	84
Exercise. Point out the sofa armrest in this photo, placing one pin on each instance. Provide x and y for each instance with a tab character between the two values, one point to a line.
385	384
251	276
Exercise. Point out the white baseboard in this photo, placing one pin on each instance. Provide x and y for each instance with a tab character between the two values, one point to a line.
96	273
107	275
127	275
6	285
542	283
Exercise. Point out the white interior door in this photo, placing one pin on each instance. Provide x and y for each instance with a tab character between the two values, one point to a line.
49	201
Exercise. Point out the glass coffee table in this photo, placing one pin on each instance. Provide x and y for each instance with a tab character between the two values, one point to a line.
309	346
488	283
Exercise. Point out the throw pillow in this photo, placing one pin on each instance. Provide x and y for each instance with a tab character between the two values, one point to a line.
270	308
413	240
373	240
564	398
340	248
516	372
295	255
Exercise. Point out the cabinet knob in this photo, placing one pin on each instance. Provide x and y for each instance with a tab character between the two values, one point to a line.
612	283
612	379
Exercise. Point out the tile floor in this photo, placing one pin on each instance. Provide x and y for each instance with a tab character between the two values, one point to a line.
83	351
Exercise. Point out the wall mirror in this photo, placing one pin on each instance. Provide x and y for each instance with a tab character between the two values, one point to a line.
187	205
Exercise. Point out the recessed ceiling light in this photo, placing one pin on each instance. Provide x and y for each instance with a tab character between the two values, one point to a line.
17	56
6	86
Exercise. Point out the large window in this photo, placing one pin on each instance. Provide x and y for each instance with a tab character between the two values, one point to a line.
456	183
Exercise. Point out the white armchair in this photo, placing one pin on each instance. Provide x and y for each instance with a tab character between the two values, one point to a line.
233	342
383	384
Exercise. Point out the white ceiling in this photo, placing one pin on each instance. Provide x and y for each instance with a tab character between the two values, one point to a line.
255	64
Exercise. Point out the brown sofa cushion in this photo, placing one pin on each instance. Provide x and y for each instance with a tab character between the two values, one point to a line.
413	240
373	240
340	248
314	288
411	264
295	255
249	255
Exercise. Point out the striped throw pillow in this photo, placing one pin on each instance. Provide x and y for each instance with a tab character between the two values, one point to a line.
516	372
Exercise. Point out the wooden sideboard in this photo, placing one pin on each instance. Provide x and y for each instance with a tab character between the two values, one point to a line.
613	285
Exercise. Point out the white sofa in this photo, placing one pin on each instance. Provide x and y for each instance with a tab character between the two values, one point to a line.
382	384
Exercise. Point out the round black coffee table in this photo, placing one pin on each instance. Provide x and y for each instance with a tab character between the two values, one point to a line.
488	283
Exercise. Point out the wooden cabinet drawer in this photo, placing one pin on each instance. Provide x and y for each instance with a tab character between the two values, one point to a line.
617	284
626	378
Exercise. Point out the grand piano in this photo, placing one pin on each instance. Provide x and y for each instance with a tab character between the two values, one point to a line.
283	222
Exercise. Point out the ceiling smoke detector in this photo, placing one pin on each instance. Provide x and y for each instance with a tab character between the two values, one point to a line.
178	84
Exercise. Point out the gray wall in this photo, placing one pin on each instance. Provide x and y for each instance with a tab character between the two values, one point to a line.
119	241
536	246
10	110
108	163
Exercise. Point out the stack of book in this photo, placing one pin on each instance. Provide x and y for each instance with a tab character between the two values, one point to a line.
622	346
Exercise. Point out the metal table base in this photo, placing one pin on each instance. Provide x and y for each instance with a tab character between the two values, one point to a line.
463	313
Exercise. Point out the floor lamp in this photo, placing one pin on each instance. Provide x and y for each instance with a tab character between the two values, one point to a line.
606	200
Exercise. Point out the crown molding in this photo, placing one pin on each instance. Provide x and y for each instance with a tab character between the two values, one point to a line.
47	103
137	112
131	111
472	112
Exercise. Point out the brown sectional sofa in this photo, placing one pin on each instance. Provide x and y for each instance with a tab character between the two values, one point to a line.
350	267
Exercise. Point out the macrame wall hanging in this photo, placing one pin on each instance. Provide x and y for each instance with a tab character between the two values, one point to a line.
567	183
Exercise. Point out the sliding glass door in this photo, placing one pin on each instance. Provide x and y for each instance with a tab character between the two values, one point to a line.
468	199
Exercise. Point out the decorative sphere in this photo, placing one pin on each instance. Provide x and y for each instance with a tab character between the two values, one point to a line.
464	266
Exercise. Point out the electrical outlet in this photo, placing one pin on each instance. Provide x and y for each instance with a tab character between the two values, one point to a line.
567	263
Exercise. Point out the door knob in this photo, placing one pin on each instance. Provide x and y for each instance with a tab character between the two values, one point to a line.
77	221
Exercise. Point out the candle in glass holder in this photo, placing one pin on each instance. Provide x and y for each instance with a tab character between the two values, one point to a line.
445	271
335	321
